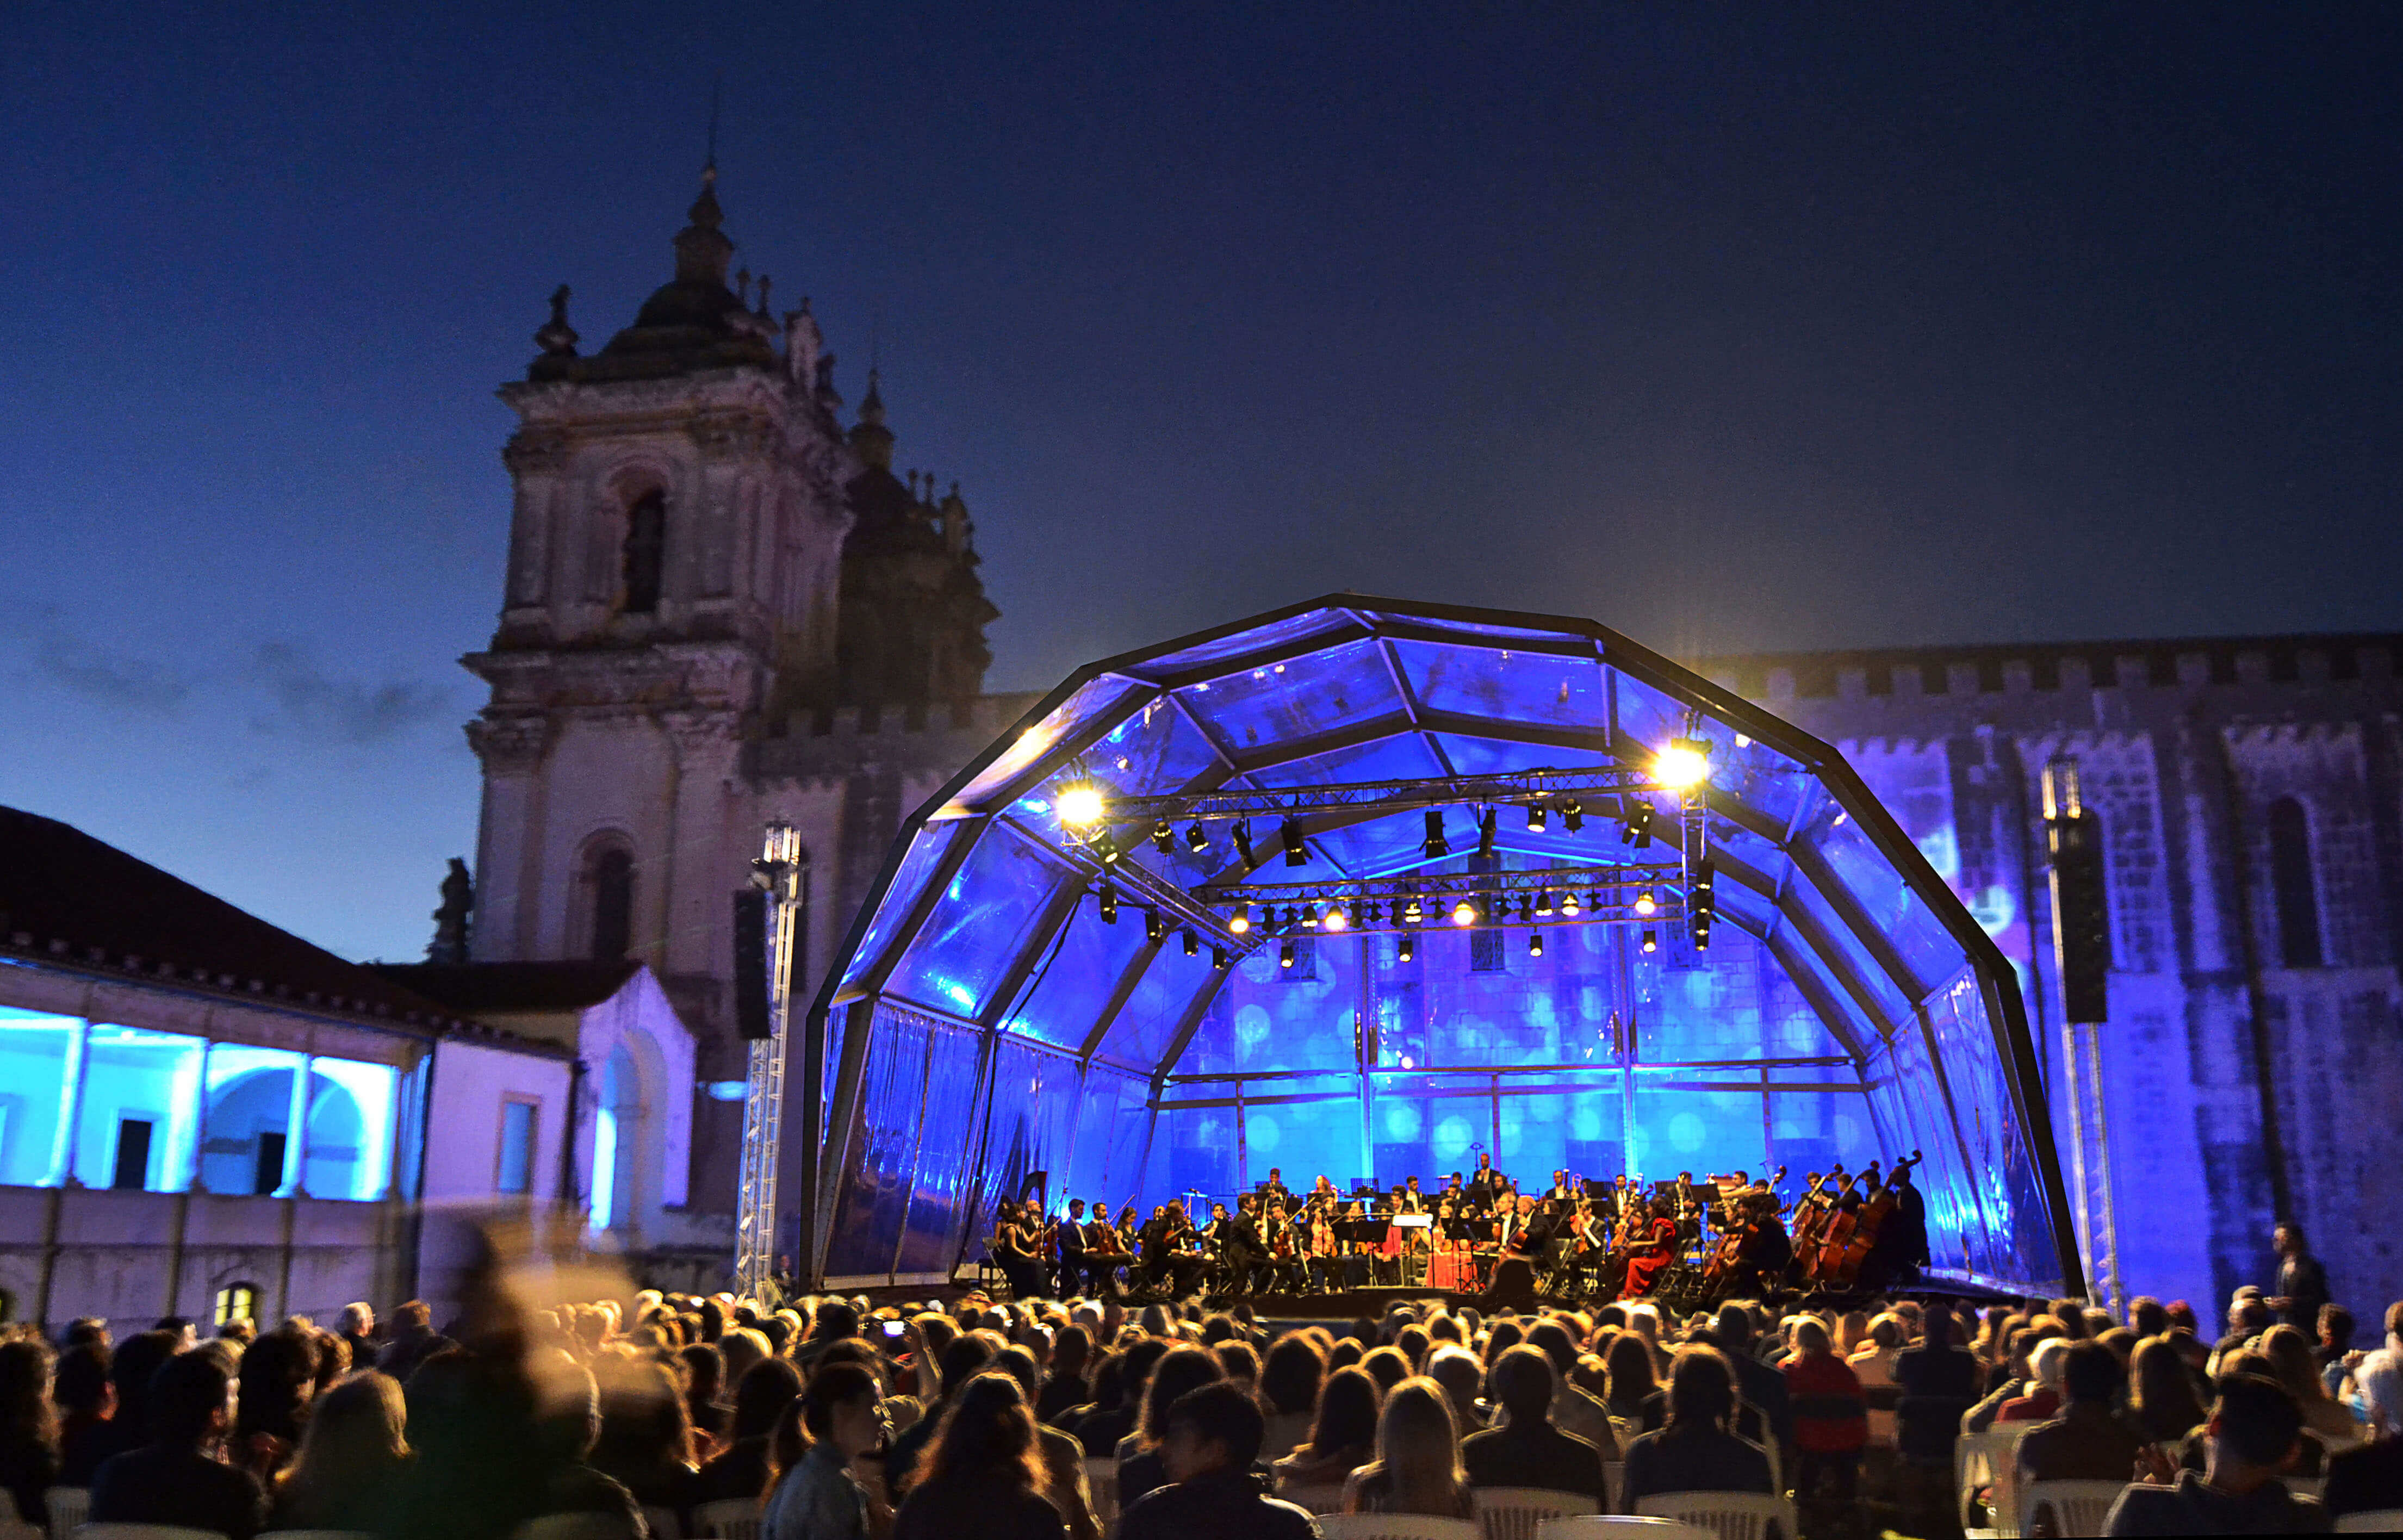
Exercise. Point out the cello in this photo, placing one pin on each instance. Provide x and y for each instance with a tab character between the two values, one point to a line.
1741	1227
1878	1207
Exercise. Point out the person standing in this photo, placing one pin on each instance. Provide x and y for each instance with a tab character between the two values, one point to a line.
2302	1282
1072	1250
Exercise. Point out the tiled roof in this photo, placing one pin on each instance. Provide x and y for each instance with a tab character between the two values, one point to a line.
504	988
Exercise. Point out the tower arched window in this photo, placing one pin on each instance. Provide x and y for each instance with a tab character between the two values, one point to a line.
2293	886
646	540
613	905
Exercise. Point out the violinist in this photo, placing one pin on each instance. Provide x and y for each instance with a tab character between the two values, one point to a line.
1324	1264
1277	1233
1105	1253
1274	1186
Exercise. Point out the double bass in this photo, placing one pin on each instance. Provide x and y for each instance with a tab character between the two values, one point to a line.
1741	1227
1844	1270
1809	1222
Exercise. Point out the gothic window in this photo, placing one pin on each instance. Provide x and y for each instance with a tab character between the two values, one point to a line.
613	905
2292	886
647	538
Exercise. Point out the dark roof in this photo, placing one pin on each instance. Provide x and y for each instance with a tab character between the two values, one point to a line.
499	987
66	898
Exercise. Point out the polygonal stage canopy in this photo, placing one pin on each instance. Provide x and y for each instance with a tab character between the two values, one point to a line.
1377	887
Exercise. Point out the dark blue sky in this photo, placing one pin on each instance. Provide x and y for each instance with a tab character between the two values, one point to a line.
1731	328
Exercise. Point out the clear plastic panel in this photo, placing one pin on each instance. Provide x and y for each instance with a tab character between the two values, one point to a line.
939	1200
1802	964
1697	1131
1503	686
1475	634
926	851
1481	755
1274	1017
1303	1140
1927	949
1026	1132
1249	642
988	914
1095	698
1834	935
1145	1027
1072	983
874	1194
1254	711
1113	1131
1647	719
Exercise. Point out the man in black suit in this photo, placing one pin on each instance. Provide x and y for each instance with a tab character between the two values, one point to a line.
1071	1242
2303	1282
172	1479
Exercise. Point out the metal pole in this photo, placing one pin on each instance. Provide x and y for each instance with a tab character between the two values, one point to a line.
763	1087
2102	1181
2080	1214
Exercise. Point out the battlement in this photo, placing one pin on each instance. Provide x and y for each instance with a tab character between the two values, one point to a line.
2025	668
839	739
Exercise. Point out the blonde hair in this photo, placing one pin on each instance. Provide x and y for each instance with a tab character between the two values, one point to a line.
1418	1451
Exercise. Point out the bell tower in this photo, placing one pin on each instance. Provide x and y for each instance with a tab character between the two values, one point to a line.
674	552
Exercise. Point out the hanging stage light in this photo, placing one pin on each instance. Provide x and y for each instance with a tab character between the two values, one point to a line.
1310	915
1406	947
1639	822
1081	805
1543	904
1161	836
1435	847
1218	958
1645	902
1685	763
1106	850
1485	834
1526	909
1464	913
1534	943
1296	853
1572	815
1336	918
1569	904
1241	921
1537	820
1243	842
1368	914
1285	954
1292	917
1154	927
1197	839
1651	942
1108	905
1415	914
1192	944
1705	895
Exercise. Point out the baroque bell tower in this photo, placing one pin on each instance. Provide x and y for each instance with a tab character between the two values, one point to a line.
674	554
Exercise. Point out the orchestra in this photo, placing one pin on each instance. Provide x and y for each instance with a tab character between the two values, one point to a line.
1694	1241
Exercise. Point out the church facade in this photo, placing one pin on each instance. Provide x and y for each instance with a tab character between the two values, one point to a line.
723	607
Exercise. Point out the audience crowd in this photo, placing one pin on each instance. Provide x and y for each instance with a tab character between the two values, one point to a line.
832	1422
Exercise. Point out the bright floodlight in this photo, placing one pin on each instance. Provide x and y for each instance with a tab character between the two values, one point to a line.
1081	805
1464	913
1684	763
1336	918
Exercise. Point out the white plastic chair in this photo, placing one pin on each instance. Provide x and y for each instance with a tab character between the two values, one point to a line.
1728	1515
69	1508
664	1524
2374	1521
1102	1475
1395	1526
1618	1526
142	1531
2312	1487
1991	1458
1515	1513
728	1518
575	1526
1322	1498
1613	1482
2078	1508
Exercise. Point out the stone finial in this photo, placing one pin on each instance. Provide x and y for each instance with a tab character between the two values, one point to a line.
557	337
450	944
764	282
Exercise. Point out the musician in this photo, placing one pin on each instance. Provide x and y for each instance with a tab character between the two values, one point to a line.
1278	1238
1326	1264
1012	1249
1105	1253
1323	1190
1452	1190
1561	1187
1413	1201
1487	1182
1241	1246
1651	1246
1274	1186
1069	1238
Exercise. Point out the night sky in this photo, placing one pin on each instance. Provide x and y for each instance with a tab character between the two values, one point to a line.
1733	328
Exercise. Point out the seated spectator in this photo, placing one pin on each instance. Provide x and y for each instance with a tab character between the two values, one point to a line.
1628	1366
1417	1468
1938	1381
352	1458
2335	1345
86	1400
1831	1419
2043	1399
29	1427
2364	1479
1573	1410
2162	1398
705	1398
1694	1452
1463	1378
962	1361
1342	1440
1102	1429
2298	1368
1180	1369
983	1473
646	1439
1211	1439
173	1480
1063	1459
2251	1433
1872	1365
1289	1381
277	1381
1527	1449
2248	1317
760	1397
814	1496
1757	1385
1065	1385
2088	1441
414	1341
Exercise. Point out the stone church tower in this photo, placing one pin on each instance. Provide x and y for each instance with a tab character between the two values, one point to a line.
720	608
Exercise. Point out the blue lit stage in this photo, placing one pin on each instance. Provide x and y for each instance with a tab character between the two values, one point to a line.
1110	950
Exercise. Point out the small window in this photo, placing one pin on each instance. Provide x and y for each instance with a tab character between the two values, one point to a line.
2293	885
517	1148
613	905
133	1171
237	1302
646	531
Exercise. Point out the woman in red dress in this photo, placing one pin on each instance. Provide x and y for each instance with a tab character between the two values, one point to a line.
1652	1243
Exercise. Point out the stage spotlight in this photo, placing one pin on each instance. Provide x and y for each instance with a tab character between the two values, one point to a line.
1241	921
1651	942
1162	836
1435	847
1285	954
1296	852
1534	943
1292	917
1106	850
1684	764
1154	927
1080	804
1485	834
1243	842
1414	914
1639	822
1645	902
1572	815
1197	839
1543	904
1526	909
1218	958
1464	913
1336	919
1108	905
1537	822
1704	898
1569	904
1369	914
1192	944
1310	915
1406	947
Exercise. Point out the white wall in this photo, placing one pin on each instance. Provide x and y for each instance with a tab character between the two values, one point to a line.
463	1142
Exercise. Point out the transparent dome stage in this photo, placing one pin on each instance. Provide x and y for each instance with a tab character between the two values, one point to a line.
1368	888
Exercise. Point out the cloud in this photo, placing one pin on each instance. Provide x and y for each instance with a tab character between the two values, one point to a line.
110	677
311	703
